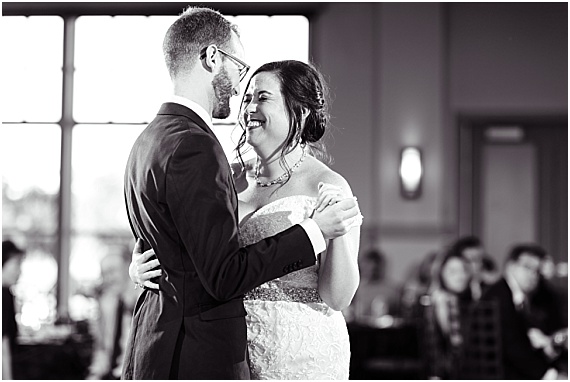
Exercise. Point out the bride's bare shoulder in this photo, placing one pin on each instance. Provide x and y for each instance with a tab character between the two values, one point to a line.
320	172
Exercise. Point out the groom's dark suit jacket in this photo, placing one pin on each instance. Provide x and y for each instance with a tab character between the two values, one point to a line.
181	201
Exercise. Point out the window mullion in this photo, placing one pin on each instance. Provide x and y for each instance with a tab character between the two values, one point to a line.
66	123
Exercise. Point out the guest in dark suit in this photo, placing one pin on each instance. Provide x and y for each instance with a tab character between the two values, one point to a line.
526	354
181	201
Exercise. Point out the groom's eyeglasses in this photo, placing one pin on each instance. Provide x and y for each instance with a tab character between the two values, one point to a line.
242	66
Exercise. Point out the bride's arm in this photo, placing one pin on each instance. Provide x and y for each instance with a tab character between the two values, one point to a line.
338	274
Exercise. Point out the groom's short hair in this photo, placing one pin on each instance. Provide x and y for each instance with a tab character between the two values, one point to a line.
195	29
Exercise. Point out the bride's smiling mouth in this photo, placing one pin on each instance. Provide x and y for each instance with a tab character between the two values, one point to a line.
253	124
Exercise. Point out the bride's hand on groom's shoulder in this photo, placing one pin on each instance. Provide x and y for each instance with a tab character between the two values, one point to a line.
141	269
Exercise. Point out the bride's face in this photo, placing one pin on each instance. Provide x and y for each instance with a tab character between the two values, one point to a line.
265	115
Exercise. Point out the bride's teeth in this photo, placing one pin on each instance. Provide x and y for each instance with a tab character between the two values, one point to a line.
253	124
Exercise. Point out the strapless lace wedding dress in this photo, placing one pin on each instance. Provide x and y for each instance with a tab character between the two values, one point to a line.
291	332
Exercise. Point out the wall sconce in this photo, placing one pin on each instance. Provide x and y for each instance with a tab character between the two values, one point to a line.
411	172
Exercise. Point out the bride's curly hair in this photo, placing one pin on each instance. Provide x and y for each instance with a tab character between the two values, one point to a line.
302	87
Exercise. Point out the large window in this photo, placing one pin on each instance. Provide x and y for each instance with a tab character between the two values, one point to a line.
64	148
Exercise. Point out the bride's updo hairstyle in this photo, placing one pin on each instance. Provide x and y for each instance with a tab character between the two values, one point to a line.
302	87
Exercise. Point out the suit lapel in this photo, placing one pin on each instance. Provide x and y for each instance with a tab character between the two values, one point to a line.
171	108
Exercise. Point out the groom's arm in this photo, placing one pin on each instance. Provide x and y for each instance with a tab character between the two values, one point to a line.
202	203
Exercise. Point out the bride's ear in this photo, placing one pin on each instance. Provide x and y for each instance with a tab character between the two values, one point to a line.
304	113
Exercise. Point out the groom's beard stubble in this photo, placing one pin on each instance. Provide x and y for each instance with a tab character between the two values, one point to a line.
223	92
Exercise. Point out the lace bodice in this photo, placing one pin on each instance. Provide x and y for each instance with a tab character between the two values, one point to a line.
271	219
291	332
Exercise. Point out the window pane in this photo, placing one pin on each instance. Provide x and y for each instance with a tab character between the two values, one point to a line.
32	48
120	72
100	154
99	219
30	178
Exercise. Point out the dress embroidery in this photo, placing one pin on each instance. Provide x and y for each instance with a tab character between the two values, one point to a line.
291	332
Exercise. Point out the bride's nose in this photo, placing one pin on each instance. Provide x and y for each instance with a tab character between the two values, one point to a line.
236	90
250	108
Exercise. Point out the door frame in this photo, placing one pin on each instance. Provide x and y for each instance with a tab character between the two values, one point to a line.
470	144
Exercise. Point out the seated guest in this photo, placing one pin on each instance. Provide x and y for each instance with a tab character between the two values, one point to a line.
531	342
446	315
471	249
416	287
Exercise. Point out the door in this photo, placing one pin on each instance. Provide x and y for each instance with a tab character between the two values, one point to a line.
513	183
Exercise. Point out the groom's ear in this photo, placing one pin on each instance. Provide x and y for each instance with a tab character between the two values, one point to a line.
210	60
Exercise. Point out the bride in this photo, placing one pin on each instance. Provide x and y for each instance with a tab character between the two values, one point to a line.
295	329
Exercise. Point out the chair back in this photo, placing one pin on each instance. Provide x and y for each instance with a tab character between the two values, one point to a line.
483	352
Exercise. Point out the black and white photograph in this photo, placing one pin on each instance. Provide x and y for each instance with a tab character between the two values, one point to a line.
284	190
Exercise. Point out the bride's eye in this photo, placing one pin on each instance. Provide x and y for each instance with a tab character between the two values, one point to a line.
246	98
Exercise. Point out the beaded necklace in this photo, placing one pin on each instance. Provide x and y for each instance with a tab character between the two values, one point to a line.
281	178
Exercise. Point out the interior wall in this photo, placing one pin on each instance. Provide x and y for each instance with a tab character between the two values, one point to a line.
508	57
342	46
402	72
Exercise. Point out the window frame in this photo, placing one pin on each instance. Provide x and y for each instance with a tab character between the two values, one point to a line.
69	12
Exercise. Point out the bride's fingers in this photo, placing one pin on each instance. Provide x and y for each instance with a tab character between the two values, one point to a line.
150	284
151	274
327	200
323	201
330	188
147	255
138	247
144	267
137	250
328	194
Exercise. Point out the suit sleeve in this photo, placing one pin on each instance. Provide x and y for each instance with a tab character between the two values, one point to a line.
202	202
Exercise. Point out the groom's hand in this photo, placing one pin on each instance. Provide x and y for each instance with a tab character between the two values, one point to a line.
337	219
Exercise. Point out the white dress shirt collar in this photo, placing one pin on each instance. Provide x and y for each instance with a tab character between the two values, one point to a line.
202	113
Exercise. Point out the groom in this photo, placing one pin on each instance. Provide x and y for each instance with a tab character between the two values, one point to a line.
181	201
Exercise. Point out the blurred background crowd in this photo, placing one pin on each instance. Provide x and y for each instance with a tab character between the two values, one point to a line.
460	315
449	121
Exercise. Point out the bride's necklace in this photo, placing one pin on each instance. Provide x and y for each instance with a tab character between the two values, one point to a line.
280	179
